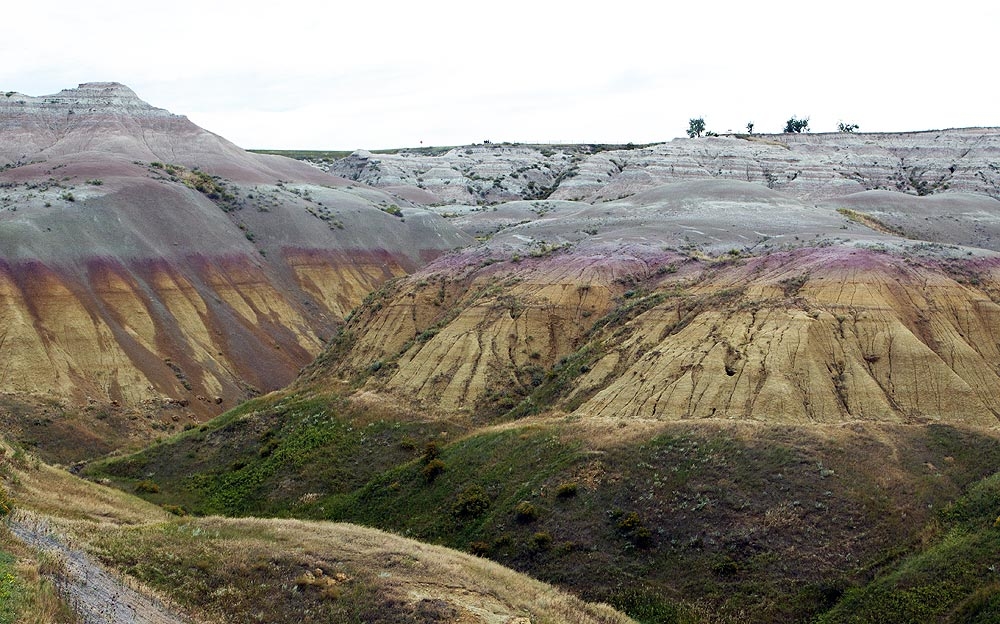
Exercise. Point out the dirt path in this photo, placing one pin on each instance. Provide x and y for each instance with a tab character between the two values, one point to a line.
96	596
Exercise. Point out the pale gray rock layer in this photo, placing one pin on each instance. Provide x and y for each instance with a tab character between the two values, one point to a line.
811	167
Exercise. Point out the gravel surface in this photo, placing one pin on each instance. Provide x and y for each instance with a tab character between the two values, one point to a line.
97	596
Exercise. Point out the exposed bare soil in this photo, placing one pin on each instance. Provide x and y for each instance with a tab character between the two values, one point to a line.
97	596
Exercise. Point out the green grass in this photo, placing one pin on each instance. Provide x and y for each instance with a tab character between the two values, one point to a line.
509	466
11	589
266	457
956	578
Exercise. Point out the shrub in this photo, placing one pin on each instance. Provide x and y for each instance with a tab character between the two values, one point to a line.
147	486
541	540
431	451
725	568
433	469
480	549
472	503
525	512
177	510
630	525
567	489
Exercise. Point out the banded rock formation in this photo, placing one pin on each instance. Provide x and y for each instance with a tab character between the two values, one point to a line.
806	166
701	299
144	260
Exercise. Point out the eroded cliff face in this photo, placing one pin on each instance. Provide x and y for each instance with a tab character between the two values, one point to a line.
147	262
809	336
705	299
817	336
474	333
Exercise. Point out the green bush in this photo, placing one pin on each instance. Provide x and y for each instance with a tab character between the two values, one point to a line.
541	540
472	503
431	452
147	486
630	525
567	489
433	468
797	125
177	510
525	512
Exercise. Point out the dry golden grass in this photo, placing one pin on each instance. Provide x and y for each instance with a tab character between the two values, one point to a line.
40	602
327	565
332	566
54	492
422	571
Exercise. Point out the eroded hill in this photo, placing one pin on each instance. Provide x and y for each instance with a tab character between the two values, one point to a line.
149	267
725	379
698	300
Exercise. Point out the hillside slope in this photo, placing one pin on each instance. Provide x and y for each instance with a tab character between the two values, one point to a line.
705	299
222	570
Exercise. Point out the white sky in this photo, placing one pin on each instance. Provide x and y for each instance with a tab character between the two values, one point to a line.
305	74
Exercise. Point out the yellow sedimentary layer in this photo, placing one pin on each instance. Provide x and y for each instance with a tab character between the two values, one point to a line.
461	340
866	343
255	299
54	345
341	286
151	331
825	336
189	312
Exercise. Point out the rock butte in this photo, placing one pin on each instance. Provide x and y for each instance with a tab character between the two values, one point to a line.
147	262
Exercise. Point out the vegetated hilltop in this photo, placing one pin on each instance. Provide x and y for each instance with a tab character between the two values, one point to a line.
708	400
148	265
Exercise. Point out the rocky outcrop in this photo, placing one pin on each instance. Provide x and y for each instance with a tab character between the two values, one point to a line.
466	175
807	166
816	335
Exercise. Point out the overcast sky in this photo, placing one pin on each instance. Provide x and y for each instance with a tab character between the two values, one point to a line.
303	74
